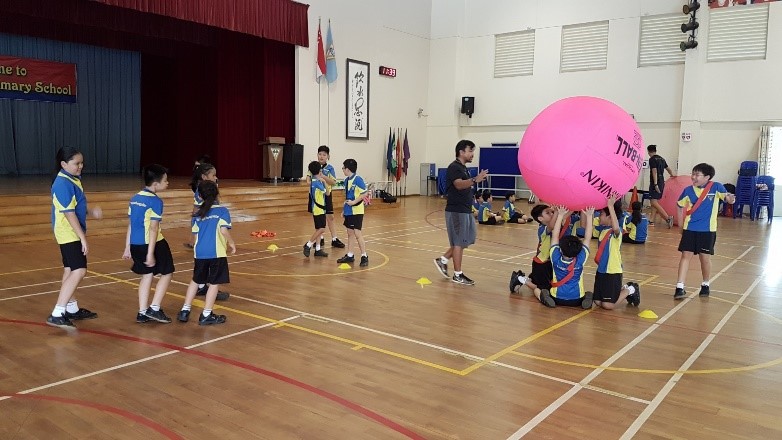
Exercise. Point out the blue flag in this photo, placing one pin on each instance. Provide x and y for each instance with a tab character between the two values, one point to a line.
389	151
331	57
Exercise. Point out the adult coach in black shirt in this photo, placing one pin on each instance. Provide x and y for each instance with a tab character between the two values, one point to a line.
657	165
458	214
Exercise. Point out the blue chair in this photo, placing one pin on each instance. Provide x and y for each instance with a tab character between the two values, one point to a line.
748	168
745	191
764	197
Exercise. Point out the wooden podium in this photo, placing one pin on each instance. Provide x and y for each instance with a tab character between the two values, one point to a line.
272	158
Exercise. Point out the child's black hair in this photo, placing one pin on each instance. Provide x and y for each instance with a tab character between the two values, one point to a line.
636	212
350	164
324	149
537	211
153	173
486	194
209	193
204	158
570	245
314	168
64	154
617	209
199	171
509	194
705	169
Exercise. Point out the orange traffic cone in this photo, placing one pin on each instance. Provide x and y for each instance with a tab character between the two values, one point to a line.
634	197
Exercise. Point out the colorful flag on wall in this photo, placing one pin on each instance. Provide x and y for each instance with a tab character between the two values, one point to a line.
399	163
331	57
320	68
405	153
389	151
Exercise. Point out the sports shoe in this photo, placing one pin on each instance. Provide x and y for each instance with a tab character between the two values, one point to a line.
337	244
364	261
307	249
442	267
514	281
142	318
586	301
546	299
635	298
462	279
80	314
211	319
183	316
346	259
321	253
158	316
679	293
704	290
60	321
669	222
221	296
322	242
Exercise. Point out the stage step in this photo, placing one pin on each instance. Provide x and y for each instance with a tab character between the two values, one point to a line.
28	217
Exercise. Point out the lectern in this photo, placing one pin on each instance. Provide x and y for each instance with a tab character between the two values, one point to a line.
272	158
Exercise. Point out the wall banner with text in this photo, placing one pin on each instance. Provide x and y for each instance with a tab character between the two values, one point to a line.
37	80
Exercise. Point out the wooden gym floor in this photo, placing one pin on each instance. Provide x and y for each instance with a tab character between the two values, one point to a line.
311	351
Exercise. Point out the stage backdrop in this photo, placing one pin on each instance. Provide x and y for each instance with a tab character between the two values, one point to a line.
104	122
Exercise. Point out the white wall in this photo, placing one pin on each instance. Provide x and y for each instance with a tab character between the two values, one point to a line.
394	34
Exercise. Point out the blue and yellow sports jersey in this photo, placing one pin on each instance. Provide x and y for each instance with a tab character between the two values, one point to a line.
318	197
144	207
67	196
507	210
574	287
210	242
544	245
640	231
484	212
327	171
703	219
611	258
624	221
354	188
197	200
475	208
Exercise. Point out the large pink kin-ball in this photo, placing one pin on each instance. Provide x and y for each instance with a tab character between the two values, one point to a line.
578	151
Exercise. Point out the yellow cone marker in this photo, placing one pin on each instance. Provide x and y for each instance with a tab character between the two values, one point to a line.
423	281
648	314
344	266
272	247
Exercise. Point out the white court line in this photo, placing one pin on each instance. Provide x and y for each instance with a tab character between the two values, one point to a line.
551	408
517	256
139	361
658	399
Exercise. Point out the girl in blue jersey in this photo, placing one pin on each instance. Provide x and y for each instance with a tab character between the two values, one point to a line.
69	222
212	224
637	229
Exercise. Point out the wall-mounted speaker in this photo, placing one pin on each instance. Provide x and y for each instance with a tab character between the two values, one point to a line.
468	105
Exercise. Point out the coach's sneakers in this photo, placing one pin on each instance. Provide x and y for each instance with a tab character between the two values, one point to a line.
60	321
346	259
679	293
364	261
635	298
157	315
704	290
586	301
80	314
547	299
442	267
211	319
221	296
321	253
462	279
335	243
183	316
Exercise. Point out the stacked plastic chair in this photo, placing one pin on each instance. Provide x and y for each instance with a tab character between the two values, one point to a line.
764	196
745	188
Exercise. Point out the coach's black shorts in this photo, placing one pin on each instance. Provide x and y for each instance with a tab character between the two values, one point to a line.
320	221
698	242
607	287
164	262
329	204
542	274
211	271
354	221
653	193
72	256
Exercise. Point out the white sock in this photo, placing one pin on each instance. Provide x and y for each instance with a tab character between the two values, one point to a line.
72	307
457	273
201	286
155	307
350	254
309	244
680	285
317	246
186	307
522	279
364	254
630	289
705	283
443	260
58	311
142	311
206	312
333	239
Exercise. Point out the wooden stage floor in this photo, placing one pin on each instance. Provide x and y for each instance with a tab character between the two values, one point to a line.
311	351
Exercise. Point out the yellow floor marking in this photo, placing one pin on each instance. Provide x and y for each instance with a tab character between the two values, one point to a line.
371	267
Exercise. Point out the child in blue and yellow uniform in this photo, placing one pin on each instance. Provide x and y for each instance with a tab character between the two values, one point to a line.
144	243
69	222
509	212
485	214
353	211
638	226
317	198
213	239
699	224
477	201
609	289
329	179
568	256
542	271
